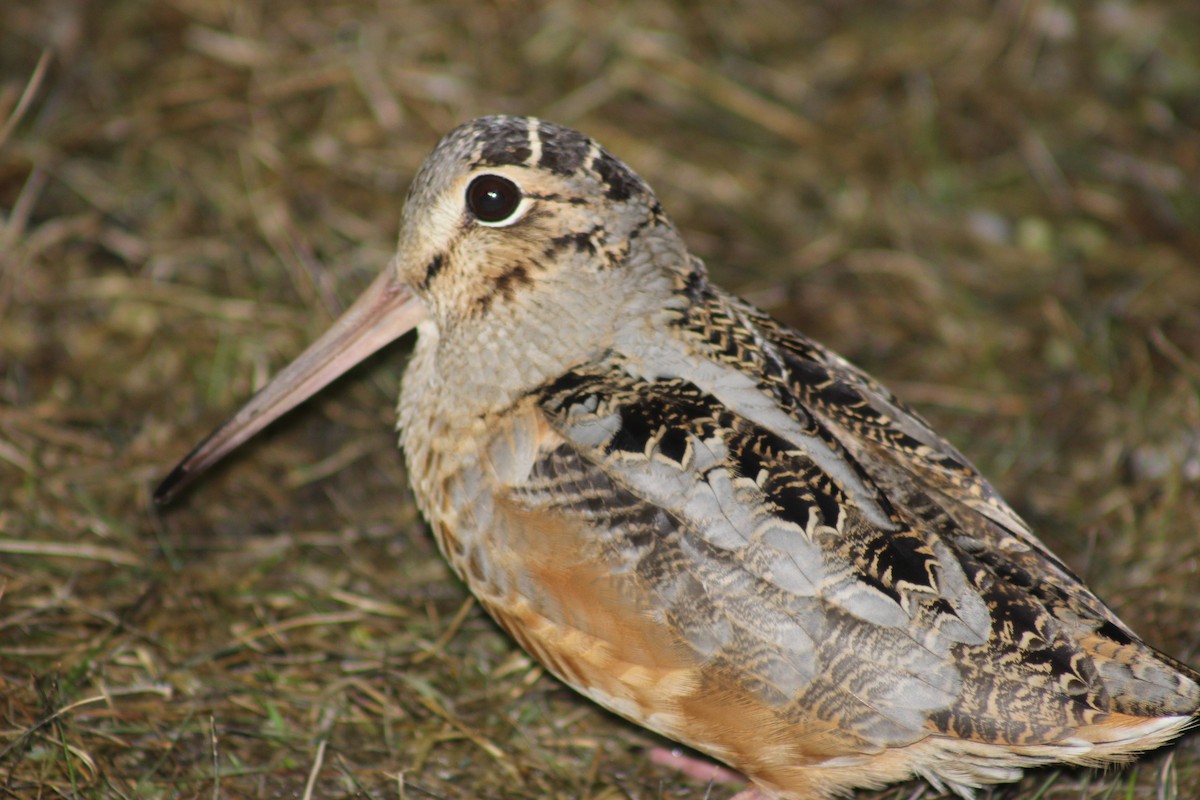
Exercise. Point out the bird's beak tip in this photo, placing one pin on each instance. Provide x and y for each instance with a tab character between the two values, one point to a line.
382	314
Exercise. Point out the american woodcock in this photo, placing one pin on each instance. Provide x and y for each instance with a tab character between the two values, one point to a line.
703	520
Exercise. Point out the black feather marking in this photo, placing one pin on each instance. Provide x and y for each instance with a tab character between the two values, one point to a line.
507	282
563	149
433	268
673	444
582	241
634	432
505	142
616	176
1114	632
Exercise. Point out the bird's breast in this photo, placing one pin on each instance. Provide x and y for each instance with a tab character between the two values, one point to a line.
547	576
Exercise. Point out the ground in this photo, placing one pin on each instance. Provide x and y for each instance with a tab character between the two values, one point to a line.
993	207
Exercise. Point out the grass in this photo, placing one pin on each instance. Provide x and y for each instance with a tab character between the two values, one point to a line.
994	207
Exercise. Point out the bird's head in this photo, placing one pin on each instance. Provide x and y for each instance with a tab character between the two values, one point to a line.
524	247
509	214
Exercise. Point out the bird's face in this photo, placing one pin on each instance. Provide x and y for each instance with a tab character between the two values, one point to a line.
511	213
523	247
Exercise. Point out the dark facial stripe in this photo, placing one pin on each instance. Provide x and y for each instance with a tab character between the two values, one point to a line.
582	242
433	268
507	282
505	285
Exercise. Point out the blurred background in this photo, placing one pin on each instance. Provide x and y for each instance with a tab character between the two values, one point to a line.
992	206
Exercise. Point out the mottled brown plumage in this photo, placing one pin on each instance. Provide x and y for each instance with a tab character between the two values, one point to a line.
703	520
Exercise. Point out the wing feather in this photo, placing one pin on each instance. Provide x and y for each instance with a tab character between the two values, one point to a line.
848	569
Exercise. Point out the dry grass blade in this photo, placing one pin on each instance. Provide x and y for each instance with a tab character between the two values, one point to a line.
69	550
479	740
318	762
711	84
26	99
276	630
161	690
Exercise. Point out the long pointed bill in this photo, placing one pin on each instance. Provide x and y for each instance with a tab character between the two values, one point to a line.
384	312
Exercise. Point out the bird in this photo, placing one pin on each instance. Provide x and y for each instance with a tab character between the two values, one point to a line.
702	519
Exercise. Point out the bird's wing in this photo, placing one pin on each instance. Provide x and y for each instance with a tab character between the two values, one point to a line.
837	563
793	578
927	479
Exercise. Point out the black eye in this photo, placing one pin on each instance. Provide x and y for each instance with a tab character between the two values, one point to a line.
492	198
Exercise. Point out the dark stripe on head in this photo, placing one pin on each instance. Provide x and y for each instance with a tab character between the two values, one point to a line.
433	268
505	285
505	141
563	149
581	241
616	176
508	282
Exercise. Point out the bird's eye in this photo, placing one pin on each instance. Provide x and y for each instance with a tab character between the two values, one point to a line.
493	199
